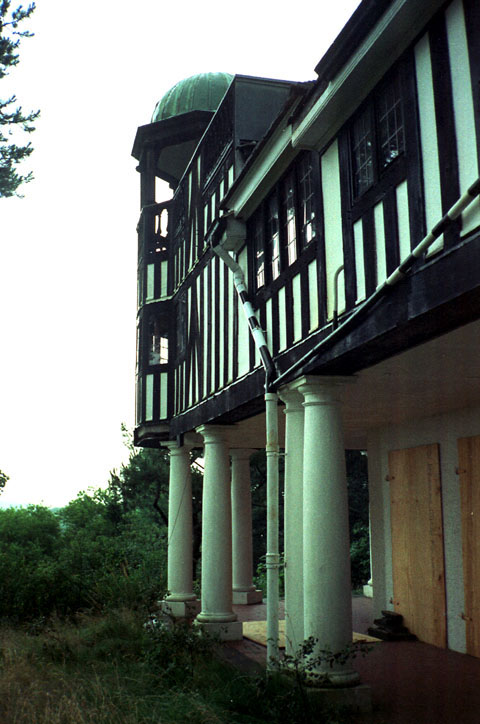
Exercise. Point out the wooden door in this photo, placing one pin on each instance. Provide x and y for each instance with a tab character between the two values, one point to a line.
417	541
469	473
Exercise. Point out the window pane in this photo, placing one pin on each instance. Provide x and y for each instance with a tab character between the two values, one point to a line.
288	217
306	201
362	153
157	343
259	251
390	123
273	231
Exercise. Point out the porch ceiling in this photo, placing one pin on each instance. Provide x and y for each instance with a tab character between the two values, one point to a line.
431	379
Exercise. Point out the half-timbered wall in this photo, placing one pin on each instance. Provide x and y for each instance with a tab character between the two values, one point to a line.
330	230
192	335
396	167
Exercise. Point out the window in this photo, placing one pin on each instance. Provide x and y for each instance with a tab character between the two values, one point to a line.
259	252
362	153
288	218
377	137
306	201
390	123
284	225
273	236
157	343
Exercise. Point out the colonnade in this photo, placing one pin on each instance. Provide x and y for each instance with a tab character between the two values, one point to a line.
227	559
317	563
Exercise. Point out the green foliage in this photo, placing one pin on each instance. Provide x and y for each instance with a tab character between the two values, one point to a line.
3	481
78	558
11	116
176	648
314	666
357	480
260	578
360	554
29	541
112	669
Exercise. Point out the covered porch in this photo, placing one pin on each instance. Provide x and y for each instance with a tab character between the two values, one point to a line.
410	681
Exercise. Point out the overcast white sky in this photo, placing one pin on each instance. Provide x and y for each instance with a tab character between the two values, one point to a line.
68	249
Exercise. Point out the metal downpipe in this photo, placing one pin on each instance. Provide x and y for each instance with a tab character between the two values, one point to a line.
272	453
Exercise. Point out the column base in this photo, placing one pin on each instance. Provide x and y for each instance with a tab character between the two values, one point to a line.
352	700
247	597
226	631
332	678
368	590
180	609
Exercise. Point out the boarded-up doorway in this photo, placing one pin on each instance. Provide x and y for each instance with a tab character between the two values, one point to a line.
469	473
417	541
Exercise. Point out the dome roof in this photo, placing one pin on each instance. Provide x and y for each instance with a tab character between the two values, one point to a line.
202	92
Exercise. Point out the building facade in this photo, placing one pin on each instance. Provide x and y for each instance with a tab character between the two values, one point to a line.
346	211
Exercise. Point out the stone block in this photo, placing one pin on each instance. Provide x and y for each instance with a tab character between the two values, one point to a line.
180	609
247	597
226	631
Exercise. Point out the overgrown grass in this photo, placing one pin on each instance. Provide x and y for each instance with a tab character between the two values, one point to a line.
115	670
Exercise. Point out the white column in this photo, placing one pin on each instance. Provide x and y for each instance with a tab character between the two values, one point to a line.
242	555
326	554
293	518
181	601
216	612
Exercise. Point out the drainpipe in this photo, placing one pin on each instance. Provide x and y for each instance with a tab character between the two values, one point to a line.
236	238
400	272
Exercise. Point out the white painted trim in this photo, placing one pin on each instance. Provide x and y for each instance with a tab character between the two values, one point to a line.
465	131
428	138
163	395
243	340
333	226
221	322
359	260
381	252
269	330
164	279
297	308
232	299
403	220
150	282
206	361
148	398
282	320
213	359
313	295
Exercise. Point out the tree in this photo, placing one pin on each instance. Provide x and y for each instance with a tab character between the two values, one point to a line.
3	481
11	116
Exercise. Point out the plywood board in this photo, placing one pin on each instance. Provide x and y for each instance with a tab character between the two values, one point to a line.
417	541
257	631
469	474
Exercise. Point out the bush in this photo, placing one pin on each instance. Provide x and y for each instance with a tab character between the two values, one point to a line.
78	558
360	555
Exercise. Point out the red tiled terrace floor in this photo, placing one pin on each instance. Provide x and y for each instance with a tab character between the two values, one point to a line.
411	682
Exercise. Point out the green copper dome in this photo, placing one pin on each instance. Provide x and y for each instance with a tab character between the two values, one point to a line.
202	92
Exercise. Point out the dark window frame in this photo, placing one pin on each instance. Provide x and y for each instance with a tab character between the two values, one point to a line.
307	227
377	166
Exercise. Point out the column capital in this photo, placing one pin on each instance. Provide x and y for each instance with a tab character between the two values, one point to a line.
292	398
213	433
317	389
241	453
174	449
